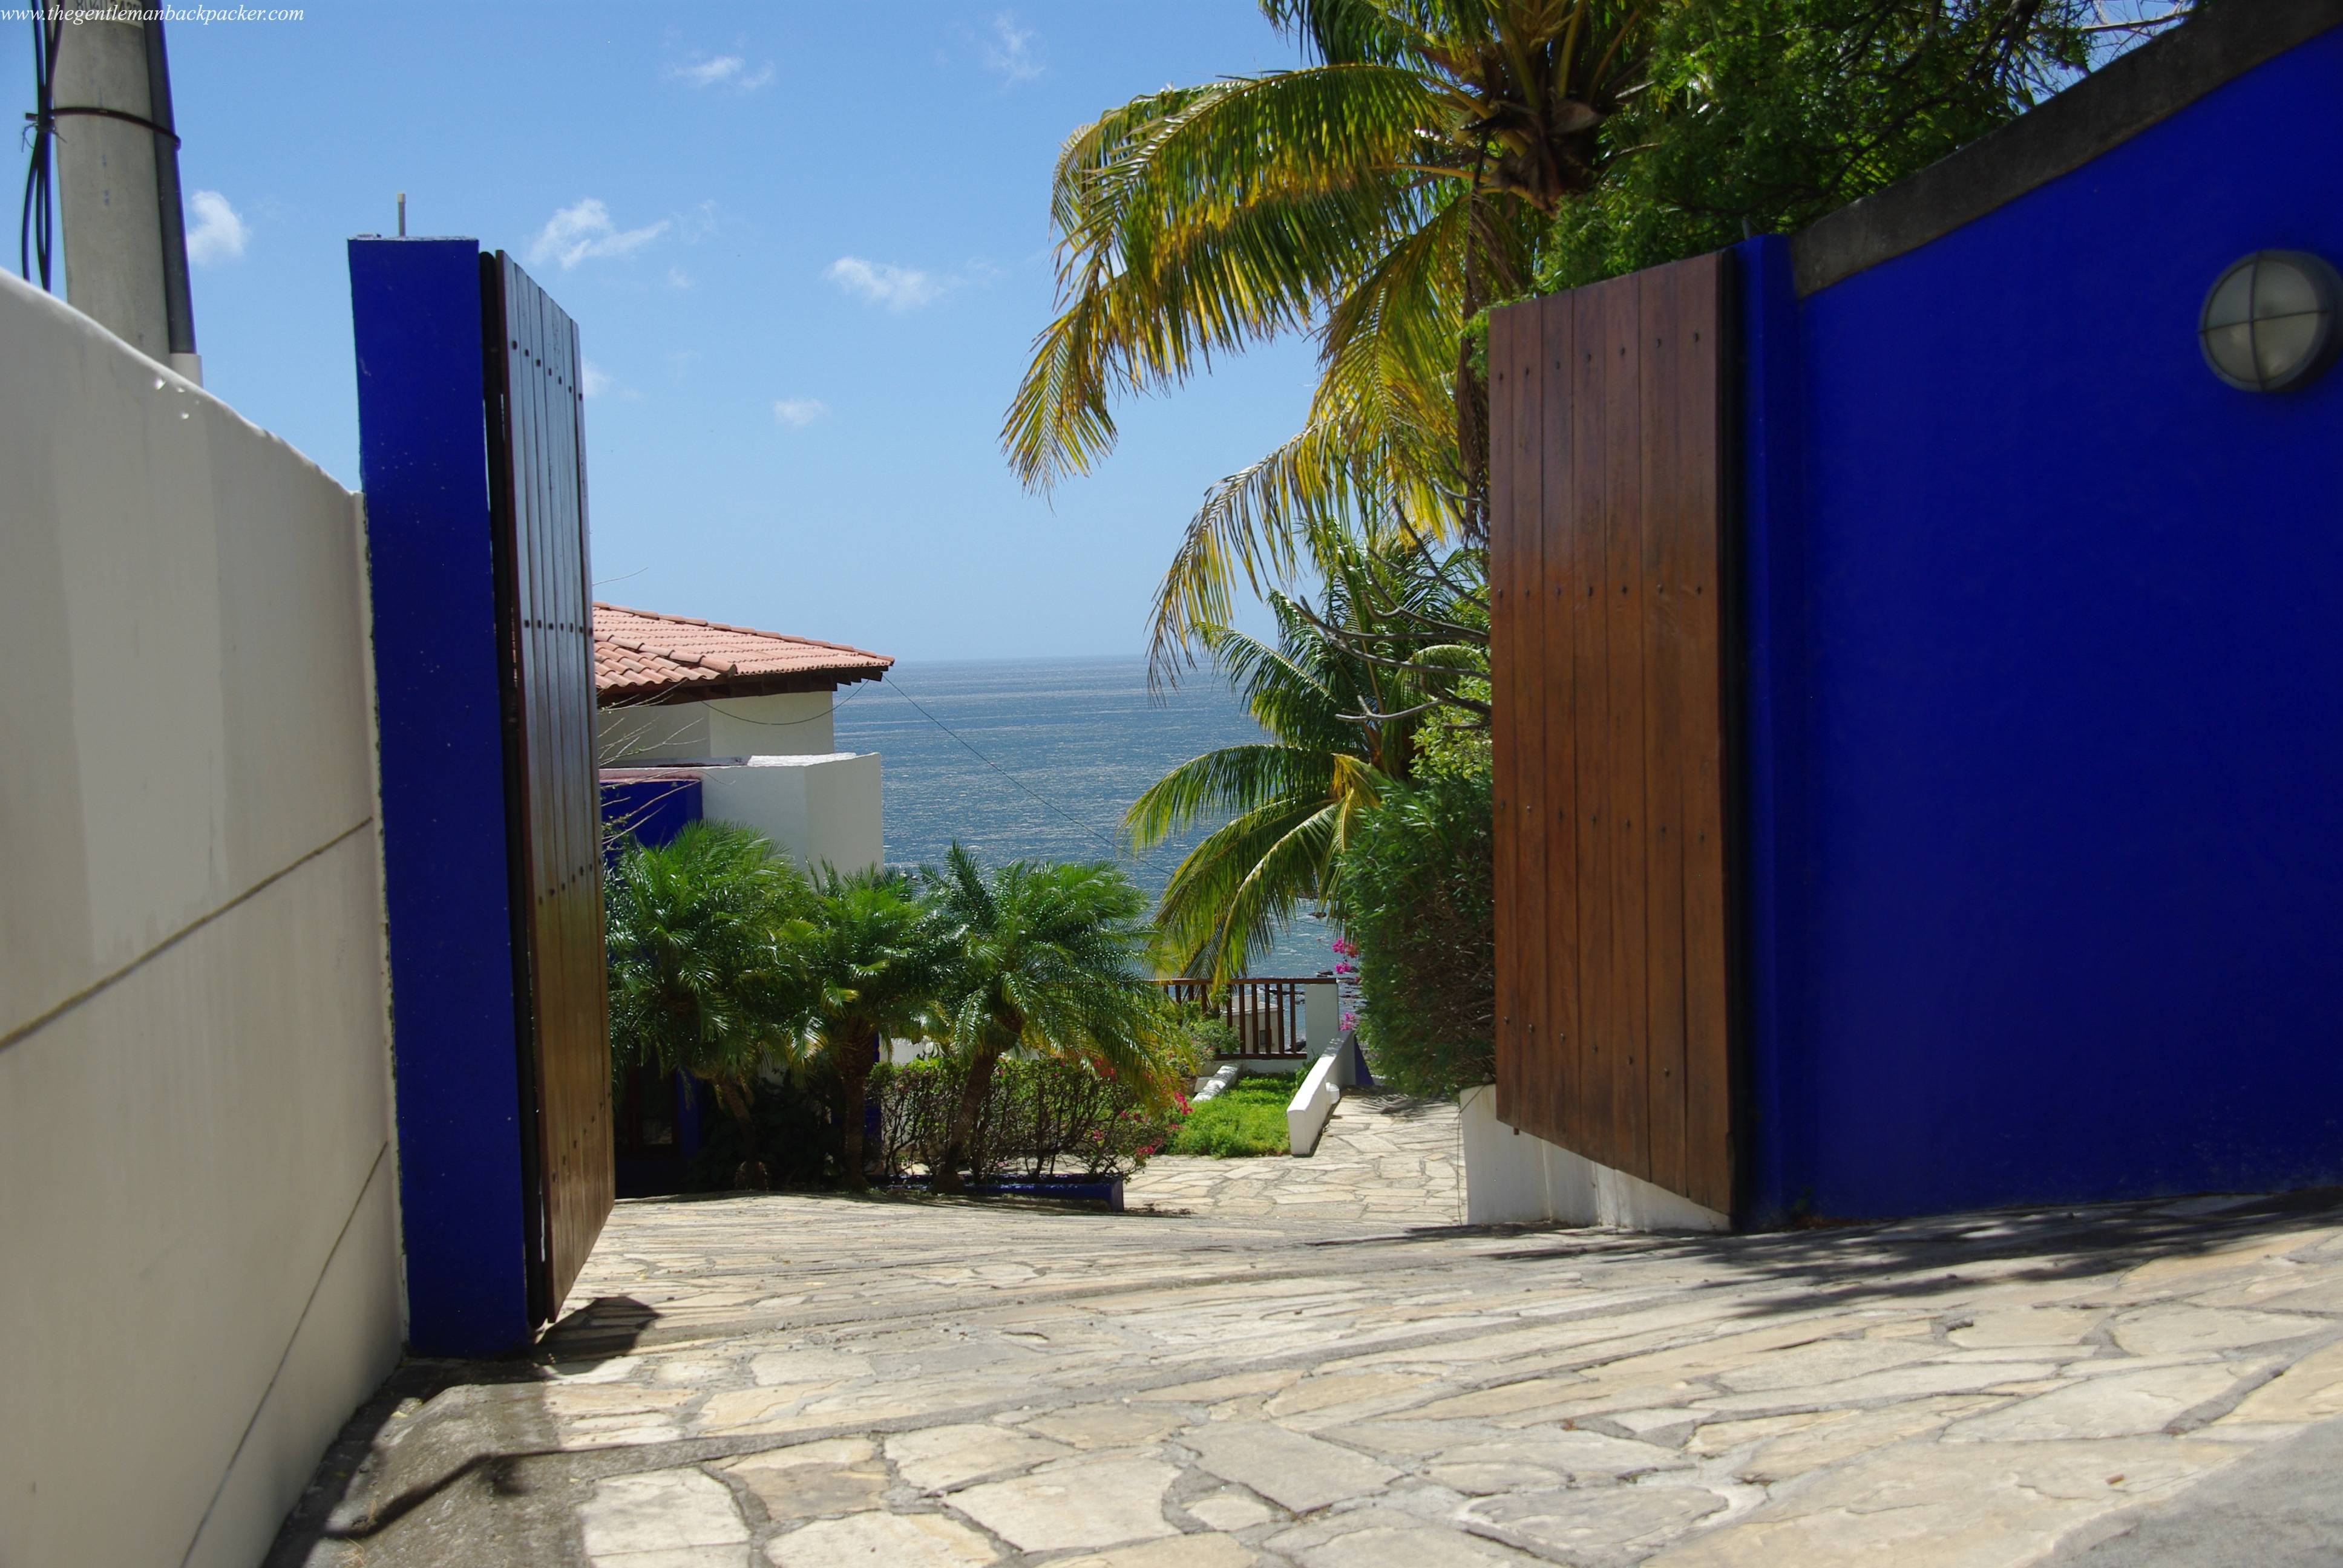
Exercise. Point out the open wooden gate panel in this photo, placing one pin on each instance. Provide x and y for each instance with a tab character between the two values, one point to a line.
1608	568
546	599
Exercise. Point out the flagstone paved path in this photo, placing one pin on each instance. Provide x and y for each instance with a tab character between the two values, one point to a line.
1384	1159
813	1382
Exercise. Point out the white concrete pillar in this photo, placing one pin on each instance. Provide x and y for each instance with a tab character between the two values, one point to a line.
112	177
1322	1014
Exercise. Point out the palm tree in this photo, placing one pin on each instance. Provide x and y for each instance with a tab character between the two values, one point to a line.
1378	196
1406	177
701	980
874	952
1044	958
1343	696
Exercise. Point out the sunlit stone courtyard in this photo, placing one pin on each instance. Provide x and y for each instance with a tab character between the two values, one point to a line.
1308	1361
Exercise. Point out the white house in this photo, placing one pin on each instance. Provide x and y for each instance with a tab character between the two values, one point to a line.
746	714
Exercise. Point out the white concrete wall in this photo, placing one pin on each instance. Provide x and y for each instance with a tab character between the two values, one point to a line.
819	810
1322	1014
786	724
198	1230
1515	1177
1313	1102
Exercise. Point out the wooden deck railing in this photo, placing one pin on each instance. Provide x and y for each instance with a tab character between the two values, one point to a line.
1268	1015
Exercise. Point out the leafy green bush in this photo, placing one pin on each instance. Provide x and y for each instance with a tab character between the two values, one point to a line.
1207	1036
1039	1117
1246	1119
1417	901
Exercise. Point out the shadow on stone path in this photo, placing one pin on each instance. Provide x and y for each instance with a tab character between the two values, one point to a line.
1235	1381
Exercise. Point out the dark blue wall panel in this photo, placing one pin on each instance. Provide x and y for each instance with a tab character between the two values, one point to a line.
423	461
654	808
2053	876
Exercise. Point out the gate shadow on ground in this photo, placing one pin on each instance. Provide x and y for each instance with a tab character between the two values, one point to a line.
1894	1261
492	1427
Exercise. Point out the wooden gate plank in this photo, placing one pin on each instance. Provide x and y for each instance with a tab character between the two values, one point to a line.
1711	1147
1526	496
1589	1120
1515	1062
1623	554
1669	695
1554	658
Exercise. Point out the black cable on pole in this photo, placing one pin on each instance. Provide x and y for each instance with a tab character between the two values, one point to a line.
35	234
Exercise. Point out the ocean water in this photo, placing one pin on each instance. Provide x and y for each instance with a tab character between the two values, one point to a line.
1038	759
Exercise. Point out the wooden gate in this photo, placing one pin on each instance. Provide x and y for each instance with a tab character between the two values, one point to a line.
1609	569
545	604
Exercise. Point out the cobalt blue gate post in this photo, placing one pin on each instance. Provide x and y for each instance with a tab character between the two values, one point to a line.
423	467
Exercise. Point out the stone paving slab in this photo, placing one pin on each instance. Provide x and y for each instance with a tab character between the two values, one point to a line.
1384	1158
820	1379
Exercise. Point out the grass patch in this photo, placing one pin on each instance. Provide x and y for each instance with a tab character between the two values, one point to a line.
1247	1117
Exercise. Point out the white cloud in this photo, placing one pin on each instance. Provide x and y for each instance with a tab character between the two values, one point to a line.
899	288
1009	53
218	235
678	278
575	234
798	413
722	71
593	380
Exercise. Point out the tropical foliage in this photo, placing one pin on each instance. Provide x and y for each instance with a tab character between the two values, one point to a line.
1042	1117
702	977
1418	902
728	964
876	957
1345	703
1431	159
1044	958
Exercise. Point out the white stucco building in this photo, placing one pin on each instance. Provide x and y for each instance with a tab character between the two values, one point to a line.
747	714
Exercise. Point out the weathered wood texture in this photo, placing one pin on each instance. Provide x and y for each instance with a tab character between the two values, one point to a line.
546	598
1607	564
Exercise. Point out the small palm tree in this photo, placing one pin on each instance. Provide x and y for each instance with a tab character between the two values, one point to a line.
1342	695
701	980
876	954
1043	958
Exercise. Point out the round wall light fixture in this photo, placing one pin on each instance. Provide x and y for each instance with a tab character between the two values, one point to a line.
2268	323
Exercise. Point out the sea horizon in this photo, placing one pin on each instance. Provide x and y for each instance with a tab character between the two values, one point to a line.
1039	758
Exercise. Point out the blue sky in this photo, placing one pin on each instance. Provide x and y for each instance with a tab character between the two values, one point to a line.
807	246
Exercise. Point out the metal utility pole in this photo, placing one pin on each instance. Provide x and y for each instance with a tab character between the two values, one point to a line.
119	189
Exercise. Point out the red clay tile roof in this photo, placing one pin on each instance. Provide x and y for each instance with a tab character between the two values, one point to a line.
642	656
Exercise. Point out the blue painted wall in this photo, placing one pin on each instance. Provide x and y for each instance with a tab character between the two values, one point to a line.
423	461
2045	696
654	809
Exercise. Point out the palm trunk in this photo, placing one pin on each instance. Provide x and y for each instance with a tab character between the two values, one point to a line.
972	1091
854	1108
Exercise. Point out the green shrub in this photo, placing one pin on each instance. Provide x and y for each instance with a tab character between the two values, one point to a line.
1417	901
1208	1037
1040	1117
1246	1119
